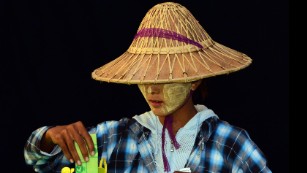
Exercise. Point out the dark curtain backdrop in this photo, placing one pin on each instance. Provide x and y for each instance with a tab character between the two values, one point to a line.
50	47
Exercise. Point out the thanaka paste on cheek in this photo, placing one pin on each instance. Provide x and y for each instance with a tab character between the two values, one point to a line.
174	95
142	89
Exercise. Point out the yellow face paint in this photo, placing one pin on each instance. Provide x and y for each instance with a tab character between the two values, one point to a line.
164	99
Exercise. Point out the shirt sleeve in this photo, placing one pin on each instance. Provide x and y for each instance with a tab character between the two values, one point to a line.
249	158
40	160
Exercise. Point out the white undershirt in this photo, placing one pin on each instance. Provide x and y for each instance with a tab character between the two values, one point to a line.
185	137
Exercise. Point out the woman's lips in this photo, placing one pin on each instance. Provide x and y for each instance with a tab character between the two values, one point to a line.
155	103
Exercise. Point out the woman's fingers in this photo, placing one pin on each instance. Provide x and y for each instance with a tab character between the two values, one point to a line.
62	144
67	136
87	139
80	142
69	141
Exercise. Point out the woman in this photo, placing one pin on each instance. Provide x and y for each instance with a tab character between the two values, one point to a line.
168	58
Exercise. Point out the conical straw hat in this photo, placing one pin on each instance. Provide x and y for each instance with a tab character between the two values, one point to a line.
171	46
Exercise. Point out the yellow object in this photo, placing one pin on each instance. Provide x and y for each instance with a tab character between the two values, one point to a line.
103	169
67	170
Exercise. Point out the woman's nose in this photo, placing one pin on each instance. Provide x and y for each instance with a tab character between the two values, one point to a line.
153	89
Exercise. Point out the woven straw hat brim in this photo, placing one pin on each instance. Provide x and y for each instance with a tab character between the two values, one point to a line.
131	68
171	46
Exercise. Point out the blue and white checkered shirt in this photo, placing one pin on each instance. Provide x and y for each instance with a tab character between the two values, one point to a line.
218	148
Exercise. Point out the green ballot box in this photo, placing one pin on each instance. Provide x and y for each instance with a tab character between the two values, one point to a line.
92	165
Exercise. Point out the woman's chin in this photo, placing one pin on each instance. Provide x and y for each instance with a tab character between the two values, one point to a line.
161	113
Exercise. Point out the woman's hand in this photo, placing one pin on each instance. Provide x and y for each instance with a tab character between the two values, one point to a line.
65	136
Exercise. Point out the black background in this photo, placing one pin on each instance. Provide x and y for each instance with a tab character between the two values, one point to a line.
50	48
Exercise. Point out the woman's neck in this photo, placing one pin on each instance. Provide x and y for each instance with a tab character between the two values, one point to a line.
181	116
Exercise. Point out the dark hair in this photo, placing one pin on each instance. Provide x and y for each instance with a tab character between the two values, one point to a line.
201	92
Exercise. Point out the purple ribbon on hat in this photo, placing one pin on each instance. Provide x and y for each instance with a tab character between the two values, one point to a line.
163	33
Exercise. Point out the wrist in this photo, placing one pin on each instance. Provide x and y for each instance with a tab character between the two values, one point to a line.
46	143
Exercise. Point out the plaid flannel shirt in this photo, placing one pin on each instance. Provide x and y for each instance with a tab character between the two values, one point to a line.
218	148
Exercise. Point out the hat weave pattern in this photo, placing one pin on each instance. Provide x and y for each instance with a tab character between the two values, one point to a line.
171	46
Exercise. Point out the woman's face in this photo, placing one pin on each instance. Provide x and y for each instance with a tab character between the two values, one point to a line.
164	99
